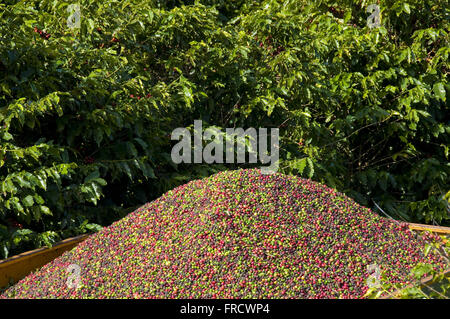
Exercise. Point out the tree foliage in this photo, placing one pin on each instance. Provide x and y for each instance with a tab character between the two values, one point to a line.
86	114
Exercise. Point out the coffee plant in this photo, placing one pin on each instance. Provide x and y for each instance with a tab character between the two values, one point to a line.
86	113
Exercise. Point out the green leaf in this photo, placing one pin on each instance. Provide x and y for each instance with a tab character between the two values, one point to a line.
406	8
5	250
45	210
98	136
97	190
38	199
42	181
100	181
28	201
93	227
18	206
7	136
94	175
148	171
90	25
22	233
300	165
127	170
439	91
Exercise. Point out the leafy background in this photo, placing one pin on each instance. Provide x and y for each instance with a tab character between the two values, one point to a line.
86	114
